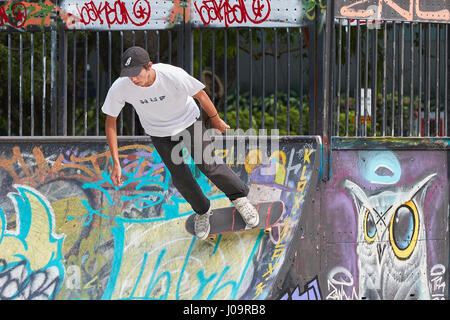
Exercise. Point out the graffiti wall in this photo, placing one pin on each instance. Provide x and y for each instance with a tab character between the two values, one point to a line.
67	233
378	229
383	227
158	15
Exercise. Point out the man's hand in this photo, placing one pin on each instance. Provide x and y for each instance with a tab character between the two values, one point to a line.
111	135
116	175
219	124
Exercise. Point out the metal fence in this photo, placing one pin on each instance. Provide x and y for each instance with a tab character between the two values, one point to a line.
390	78
56	79
264	84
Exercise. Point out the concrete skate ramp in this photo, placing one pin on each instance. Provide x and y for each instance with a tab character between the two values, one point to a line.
67	233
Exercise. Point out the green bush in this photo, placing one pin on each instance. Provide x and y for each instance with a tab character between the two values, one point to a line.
256	107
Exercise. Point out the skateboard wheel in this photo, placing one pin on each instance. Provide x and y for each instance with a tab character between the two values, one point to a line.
268	230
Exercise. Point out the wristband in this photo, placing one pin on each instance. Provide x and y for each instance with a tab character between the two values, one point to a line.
213	115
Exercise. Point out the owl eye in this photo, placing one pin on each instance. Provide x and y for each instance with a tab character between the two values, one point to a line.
370	228
404	229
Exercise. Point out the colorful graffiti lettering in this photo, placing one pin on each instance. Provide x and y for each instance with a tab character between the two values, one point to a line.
129	242
67	233
289	225
24	14
30	258
309	7
118	14
395	201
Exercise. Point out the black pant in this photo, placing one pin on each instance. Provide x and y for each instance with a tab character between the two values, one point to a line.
220	174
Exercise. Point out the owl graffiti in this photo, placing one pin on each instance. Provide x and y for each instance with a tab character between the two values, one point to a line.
391	241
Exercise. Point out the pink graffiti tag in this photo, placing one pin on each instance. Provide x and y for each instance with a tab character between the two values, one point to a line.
115	13
223	11
406	14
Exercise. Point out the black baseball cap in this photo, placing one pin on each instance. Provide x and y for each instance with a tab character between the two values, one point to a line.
133	59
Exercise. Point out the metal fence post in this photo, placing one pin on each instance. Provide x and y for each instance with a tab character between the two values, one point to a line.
53	83
188	52
447	82
62	79
327	101
312	91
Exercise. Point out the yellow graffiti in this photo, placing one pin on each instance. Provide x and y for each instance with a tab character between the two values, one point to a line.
310	8
168	241
254	158
288	224
156	259
280	166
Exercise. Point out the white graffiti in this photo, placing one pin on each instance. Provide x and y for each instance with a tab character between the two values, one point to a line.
437	282
392	261
341	285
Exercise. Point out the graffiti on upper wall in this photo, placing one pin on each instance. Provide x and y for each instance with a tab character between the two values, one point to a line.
150	14
245	13
30	257
228	14
114	13
93	14
390	225
67	233
22	14
119	14
405	10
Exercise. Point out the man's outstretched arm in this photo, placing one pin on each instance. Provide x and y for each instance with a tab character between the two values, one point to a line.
211	111
111	136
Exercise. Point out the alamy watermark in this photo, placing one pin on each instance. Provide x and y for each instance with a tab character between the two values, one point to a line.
205	146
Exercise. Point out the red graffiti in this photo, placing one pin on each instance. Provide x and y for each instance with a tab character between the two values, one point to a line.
116	13
223	11
19	15
24	14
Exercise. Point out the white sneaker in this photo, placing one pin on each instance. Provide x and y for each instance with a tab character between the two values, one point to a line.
201	225
247	211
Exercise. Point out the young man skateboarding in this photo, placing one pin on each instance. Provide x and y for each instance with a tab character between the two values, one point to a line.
163	97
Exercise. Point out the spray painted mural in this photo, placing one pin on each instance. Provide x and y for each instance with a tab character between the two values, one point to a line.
377	230
158	15
67	233
386	216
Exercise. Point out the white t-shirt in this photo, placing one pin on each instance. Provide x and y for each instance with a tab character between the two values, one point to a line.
165	108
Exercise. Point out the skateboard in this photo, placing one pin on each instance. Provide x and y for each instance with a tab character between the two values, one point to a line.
226	220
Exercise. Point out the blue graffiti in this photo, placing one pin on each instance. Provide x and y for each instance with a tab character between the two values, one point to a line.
50	274
138	179
119	239
379	167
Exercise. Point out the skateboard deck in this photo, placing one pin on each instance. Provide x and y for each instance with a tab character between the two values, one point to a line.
225	220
